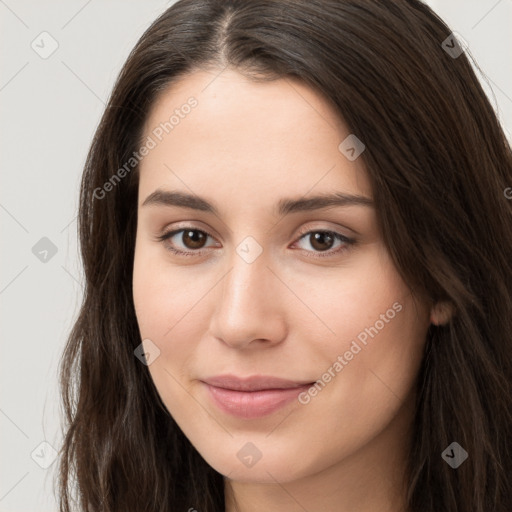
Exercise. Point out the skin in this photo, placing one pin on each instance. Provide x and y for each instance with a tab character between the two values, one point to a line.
288	313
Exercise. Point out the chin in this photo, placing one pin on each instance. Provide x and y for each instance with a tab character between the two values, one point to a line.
236	464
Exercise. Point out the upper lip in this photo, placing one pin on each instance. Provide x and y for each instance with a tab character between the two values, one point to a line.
252	383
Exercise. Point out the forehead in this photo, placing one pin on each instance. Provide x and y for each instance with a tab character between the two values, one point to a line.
252	139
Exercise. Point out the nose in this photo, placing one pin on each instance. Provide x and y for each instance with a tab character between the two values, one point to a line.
248	307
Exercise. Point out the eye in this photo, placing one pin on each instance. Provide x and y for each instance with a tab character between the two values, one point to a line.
323	241
192	241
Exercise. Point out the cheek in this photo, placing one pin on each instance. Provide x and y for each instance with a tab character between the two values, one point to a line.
376	341
168	309
173	308
163	296
362	301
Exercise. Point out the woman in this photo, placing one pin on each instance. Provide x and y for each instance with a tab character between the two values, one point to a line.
296	235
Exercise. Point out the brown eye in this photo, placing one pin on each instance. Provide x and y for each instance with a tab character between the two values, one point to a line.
324	243
185	241
321	240
193	238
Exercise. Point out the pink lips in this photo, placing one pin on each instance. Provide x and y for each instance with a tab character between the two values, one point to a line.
253	397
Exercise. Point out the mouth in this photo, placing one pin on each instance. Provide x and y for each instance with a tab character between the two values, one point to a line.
253	397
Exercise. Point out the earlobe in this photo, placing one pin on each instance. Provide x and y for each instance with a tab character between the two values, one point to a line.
441	313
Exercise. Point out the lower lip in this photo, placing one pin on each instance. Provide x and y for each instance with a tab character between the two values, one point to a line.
253	404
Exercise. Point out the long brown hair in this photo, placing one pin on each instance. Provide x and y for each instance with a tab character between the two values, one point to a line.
440	167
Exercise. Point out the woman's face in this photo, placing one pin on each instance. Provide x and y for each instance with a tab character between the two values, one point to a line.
273	282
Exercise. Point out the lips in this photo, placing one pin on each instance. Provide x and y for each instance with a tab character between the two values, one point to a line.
252	397
253	383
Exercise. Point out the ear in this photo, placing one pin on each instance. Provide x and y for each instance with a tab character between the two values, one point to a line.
441	313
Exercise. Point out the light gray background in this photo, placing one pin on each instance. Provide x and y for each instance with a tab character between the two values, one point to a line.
49	110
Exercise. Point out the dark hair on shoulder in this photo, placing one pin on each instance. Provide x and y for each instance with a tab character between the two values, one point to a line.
439	164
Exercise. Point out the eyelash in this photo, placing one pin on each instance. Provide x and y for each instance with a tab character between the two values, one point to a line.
324	254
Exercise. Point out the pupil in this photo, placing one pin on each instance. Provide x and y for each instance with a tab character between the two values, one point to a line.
196	237
319	239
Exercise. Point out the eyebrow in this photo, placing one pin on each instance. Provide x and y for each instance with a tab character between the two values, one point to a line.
285	206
